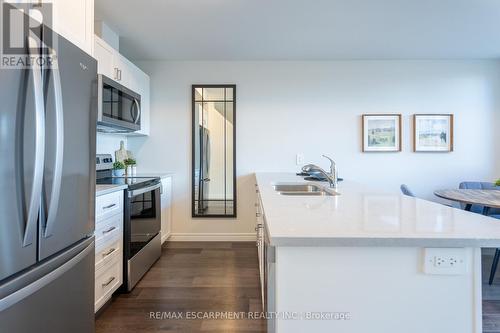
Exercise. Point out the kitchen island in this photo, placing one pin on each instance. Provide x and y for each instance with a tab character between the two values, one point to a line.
365	260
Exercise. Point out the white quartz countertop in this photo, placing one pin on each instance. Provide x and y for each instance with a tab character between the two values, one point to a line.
106	189
363	216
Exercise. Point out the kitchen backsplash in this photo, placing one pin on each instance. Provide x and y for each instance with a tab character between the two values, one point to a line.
109	143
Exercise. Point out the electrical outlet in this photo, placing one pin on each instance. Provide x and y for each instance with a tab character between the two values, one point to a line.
299	158
445	261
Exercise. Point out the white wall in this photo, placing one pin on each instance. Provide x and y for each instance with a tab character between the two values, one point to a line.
314	108
109	143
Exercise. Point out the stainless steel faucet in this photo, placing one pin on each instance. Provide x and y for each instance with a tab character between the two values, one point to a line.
331	176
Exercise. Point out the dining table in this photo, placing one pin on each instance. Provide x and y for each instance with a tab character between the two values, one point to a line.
486	198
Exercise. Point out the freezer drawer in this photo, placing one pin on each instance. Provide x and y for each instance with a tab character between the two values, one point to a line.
58	302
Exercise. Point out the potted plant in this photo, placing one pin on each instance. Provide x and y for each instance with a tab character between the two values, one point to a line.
131	166
118	169
497	182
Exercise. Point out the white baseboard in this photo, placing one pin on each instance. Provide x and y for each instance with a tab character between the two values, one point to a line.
165	237
212	237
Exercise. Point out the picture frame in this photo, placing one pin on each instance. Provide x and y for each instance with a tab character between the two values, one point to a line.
433	132
381	133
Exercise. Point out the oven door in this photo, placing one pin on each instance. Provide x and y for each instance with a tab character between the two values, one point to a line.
119	107
145	217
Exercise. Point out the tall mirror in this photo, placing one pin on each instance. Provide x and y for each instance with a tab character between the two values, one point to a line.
214	151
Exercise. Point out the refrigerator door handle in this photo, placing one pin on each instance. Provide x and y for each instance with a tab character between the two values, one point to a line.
32	288
59	150
35	198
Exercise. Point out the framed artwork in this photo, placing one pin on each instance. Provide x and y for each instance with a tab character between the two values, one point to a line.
433	132
381	132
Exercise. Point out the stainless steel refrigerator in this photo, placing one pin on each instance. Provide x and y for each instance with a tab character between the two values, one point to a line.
47	182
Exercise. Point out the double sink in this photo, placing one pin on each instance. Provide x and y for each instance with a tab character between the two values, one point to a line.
303	190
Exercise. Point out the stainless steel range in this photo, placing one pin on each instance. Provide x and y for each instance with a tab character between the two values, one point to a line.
141	221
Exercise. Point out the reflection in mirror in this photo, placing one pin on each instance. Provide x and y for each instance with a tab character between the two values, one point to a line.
214	170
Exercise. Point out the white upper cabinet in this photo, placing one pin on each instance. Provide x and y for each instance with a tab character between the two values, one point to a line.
105	56
138	81
145	104
115	66
125	70
74	20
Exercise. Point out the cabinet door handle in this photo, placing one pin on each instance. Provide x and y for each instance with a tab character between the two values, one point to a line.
257	214
107	283
108	231
116	73
109	206
104	255
120	72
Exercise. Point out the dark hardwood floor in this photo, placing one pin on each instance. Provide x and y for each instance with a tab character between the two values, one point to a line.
191	277
217	277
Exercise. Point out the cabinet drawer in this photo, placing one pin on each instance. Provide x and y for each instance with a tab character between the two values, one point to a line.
108	205
108	279
105	253
108	229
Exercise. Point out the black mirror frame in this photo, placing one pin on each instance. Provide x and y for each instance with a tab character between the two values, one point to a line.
193	149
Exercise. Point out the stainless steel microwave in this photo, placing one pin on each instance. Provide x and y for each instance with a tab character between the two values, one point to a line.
119	108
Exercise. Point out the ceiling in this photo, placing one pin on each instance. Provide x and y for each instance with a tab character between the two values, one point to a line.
304	29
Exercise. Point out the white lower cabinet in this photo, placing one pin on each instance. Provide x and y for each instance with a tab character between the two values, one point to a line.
166	208
107	280
109	246
108	229
260	230
107	251
108	205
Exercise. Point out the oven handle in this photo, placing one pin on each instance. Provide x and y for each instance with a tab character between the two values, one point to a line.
143	190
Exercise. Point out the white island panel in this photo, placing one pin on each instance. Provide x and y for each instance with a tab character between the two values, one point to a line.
383	290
